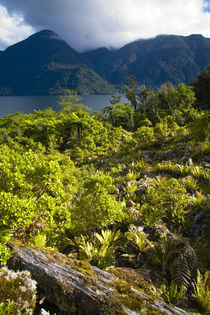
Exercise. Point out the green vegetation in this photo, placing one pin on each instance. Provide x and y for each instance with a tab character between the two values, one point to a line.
201	87
171	294
126	188
202	292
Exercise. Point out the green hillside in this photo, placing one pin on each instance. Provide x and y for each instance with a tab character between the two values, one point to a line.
127	190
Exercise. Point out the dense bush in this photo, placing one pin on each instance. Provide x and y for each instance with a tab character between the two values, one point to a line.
69	177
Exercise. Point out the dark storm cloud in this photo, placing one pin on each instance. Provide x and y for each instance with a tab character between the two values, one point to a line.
83	23
93	23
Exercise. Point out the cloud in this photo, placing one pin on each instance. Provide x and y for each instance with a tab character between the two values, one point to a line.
12	28
93	23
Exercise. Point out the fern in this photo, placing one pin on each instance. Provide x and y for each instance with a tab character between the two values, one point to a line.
178	261
183	267
181	273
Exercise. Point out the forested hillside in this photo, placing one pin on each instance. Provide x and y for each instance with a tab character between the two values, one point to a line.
154	61
45	64
126	190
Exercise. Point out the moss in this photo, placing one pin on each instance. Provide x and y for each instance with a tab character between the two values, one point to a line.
123	291
132	299
19	289
127	290
133	291
134	278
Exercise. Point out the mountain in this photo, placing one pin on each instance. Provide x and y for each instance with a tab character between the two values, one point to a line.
45	64
165	58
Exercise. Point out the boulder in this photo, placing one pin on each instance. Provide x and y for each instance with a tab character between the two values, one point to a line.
17	292
76	287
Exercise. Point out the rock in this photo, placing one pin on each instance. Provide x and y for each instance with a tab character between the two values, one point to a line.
19	289
76	287
198	216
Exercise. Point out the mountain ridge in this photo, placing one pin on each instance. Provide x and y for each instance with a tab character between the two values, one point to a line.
25	67
157	60
44	63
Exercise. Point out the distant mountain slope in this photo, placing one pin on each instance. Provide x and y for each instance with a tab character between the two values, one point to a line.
165	58
45	64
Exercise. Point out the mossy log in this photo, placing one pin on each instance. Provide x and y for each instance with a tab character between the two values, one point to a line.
76	287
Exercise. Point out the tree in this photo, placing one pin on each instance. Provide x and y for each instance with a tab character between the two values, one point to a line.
201	87
115	99
143	101
176	102
120	115
69	102
130	92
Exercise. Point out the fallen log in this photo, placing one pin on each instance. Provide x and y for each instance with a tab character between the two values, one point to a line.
76	287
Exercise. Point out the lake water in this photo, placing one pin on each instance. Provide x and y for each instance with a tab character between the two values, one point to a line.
27	104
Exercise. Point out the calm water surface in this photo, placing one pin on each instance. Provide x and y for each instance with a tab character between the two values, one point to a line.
27	104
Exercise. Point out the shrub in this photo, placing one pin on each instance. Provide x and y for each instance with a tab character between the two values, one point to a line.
168	198
96	206
144	136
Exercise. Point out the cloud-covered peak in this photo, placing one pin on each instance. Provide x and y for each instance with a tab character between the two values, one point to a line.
47	34
89	24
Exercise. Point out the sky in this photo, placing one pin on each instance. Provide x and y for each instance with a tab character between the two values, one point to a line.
89	24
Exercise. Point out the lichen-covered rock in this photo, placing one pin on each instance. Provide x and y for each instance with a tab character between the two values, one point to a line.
76	287
17	292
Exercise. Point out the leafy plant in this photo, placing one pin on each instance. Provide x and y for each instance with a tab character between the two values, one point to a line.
150	214
141	167
198	199
131	175
169	195
190	184
101	251
170	293
130	190
69	102
108	237
138	241
202	291
97	206
163	252
40	240
5	254
7	308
